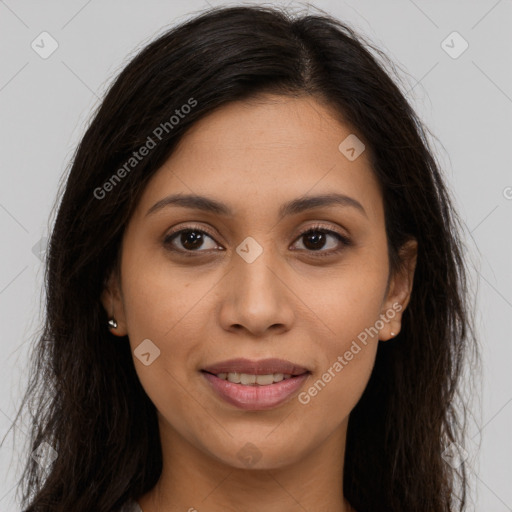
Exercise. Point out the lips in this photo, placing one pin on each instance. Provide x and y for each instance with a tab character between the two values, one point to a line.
261	367
255	398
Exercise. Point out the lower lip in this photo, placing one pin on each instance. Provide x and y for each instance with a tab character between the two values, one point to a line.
256	398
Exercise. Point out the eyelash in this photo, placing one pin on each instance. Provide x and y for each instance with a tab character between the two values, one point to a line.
315	229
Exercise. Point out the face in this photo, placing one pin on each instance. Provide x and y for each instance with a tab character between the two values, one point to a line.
307	283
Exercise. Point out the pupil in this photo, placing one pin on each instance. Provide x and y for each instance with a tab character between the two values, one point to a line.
191	240
316	238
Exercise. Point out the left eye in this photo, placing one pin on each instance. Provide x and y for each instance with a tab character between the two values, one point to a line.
316	239
191	240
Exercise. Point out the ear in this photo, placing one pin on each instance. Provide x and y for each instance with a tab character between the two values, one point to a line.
399	291
112	300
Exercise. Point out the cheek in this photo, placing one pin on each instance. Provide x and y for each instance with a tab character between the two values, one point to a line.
161	300
346	300
348	307
167	309
339	384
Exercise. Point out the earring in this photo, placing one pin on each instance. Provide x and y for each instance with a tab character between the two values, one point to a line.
392	334
112	323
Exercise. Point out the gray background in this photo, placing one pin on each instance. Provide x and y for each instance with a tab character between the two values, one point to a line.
465	101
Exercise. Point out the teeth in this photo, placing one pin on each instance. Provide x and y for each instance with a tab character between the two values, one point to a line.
264	380
248	380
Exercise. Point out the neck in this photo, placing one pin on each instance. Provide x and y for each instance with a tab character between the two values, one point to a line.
193	480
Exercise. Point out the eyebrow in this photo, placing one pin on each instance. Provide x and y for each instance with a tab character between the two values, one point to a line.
292	207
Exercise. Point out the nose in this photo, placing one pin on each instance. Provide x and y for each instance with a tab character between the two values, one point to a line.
256	298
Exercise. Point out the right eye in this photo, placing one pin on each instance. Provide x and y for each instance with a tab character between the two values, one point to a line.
191	240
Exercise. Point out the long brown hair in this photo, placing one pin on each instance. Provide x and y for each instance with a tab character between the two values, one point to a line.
85	398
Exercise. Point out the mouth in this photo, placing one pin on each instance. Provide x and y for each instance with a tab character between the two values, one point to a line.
249	379
255	385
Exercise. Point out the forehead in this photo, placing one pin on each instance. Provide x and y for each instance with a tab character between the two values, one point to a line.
266	151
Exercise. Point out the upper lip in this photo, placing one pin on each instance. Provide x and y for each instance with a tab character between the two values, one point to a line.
261	367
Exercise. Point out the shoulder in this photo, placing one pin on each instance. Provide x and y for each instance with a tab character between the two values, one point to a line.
131	506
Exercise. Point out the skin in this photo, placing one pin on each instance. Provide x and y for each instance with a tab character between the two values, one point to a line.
291	304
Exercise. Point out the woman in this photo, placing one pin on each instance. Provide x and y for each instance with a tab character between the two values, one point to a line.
256	293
